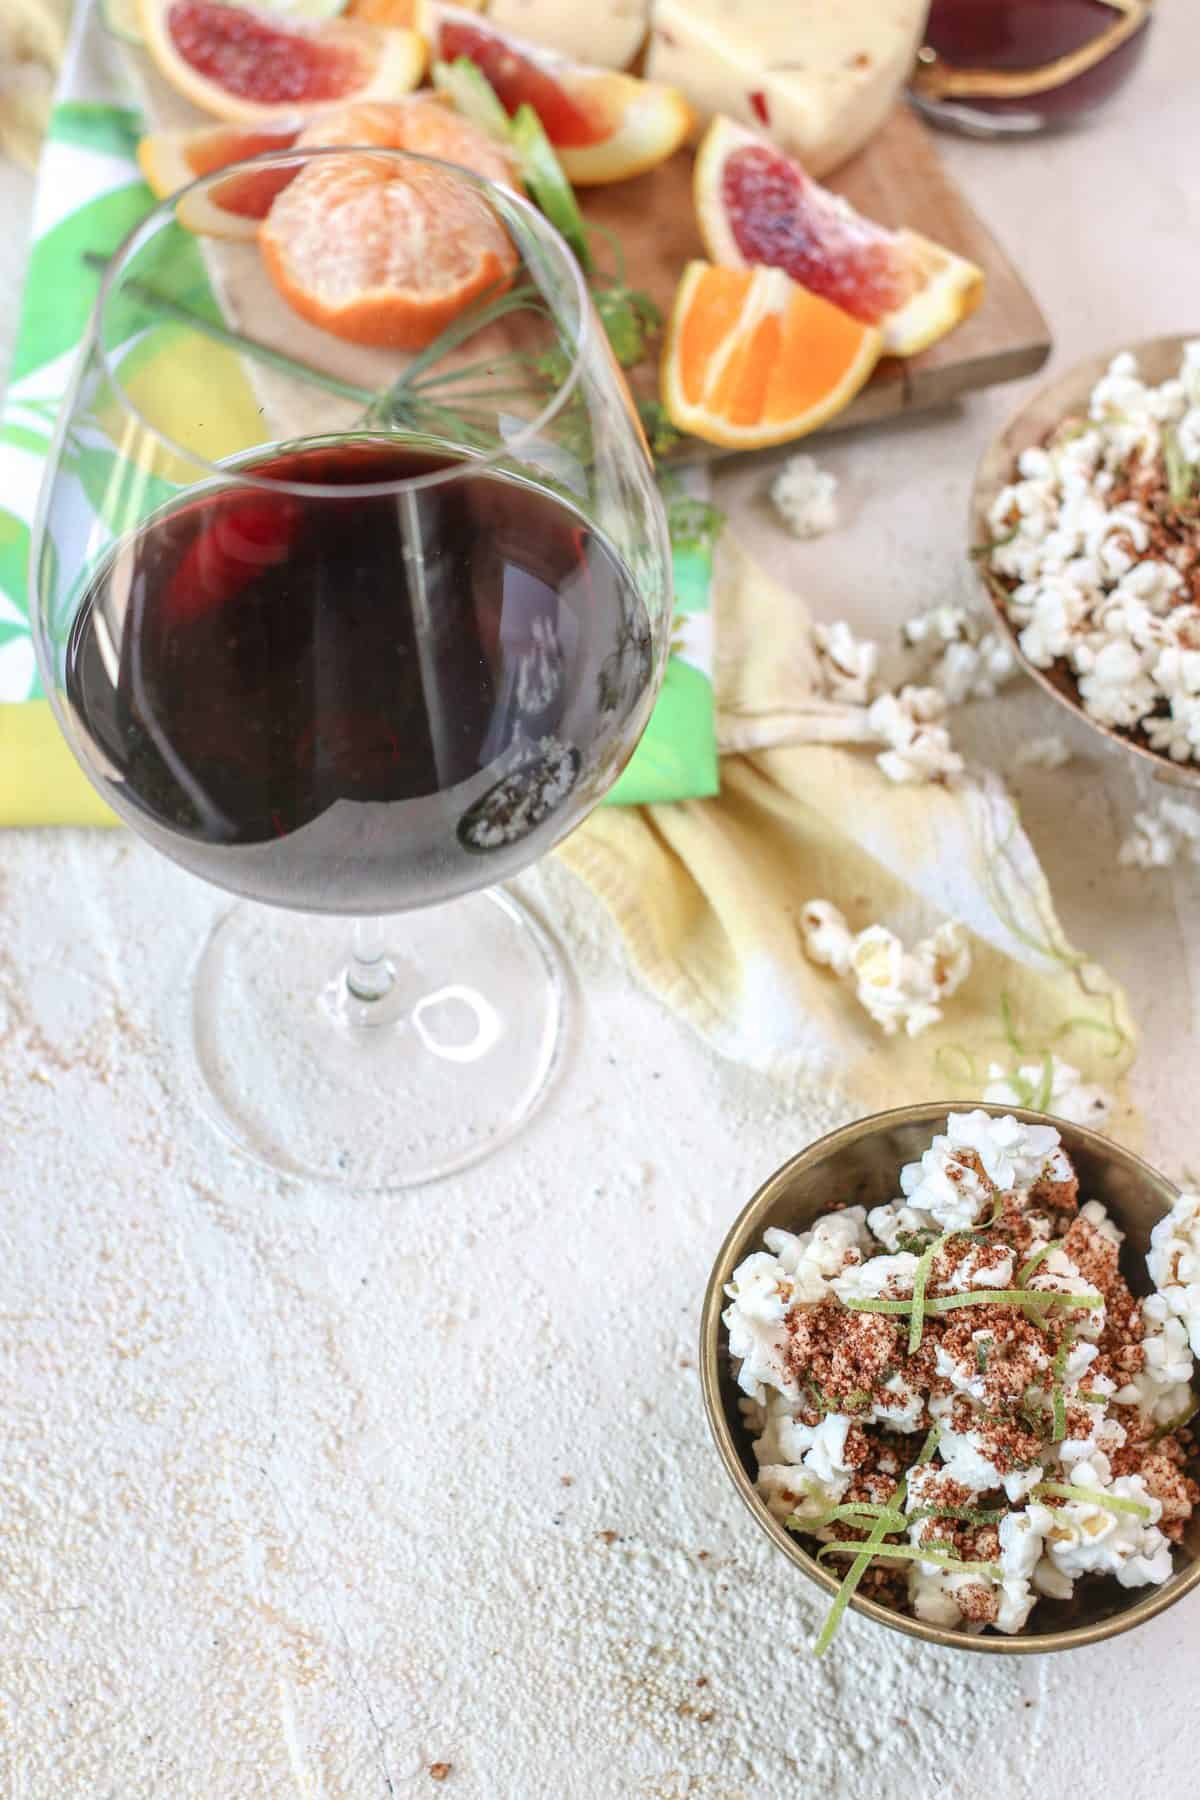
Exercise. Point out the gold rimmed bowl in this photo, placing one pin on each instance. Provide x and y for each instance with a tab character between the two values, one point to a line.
860	1165
1064	398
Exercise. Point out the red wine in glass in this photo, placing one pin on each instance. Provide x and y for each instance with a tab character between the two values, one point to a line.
344	704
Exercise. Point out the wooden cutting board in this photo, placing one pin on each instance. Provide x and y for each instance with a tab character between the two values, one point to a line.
897	180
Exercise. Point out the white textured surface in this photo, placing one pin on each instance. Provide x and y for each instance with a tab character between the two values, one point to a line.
282	1497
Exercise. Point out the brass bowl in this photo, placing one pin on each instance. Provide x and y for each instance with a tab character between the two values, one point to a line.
861	1164
1157	358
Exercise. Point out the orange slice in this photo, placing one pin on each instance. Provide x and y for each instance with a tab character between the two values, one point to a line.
755	205
753	359
246	66
382	255
230	209
604	126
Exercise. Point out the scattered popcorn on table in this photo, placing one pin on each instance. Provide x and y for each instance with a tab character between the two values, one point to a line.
805	497
918	744
1025	1439
848	664
961	656
1095	554
1158	837
899	988
1050	752
1053	1087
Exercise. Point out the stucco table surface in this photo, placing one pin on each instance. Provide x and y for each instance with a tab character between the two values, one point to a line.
305	1494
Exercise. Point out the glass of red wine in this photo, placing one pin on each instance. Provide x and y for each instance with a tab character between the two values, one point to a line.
352	596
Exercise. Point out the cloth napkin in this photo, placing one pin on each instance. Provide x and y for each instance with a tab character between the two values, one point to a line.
707	894
89	193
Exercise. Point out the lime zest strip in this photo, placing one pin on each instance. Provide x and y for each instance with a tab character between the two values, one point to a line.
943	1303
1011	1297
1066	1490
1043	1250
913	1553
924	1268
859	1566
852	1513
1058	1398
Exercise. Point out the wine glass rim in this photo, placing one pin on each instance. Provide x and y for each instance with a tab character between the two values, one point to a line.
166	210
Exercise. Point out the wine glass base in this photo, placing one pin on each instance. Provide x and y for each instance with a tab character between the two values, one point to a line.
306	1078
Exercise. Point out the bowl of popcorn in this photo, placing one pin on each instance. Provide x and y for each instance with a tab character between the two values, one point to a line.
1085	526
949	1365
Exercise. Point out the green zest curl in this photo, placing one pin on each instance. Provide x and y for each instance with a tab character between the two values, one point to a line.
867	1549
914	1553
1065	1490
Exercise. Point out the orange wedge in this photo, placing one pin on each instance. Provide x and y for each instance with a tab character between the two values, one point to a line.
753	359
246	66
380	254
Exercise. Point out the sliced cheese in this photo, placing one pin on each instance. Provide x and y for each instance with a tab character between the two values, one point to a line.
819	77
607	32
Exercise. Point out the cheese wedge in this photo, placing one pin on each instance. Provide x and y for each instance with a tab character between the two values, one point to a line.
818	77
607	32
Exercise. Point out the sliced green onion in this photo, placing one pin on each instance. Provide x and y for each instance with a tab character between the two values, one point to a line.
1066	1490
543	175
465	83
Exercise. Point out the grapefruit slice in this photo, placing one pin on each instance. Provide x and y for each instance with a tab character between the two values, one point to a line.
249	66
753	359
756	206
230	209
605	126
379	254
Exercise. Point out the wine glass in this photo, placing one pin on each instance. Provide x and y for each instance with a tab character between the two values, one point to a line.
355	630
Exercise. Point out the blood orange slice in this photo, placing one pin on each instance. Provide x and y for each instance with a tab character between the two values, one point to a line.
229	209
752	359
605	126
248	66
381	254
234	208
757	206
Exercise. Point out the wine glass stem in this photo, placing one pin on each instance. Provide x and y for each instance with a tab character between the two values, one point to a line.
369	974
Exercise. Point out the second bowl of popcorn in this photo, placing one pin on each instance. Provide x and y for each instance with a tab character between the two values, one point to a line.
948	1363
1085	520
